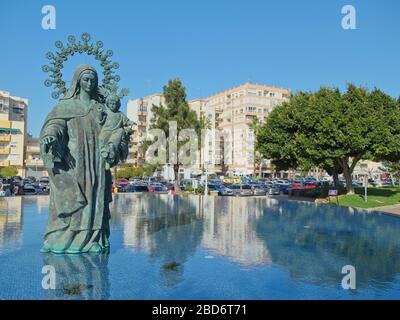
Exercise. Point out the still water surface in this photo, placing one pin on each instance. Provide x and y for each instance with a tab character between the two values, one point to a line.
166	247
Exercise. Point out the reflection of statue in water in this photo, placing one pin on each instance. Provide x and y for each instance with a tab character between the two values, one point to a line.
83	276
314	243
80	179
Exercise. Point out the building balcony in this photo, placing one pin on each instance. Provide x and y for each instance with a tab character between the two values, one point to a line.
5	138
33	163
5	124
32	149
5	163
5	150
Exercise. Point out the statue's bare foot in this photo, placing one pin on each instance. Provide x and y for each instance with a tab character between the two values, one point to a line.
95	248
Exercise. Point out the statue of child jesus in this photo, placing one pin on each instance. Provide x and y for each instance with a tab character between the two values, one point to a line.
115	132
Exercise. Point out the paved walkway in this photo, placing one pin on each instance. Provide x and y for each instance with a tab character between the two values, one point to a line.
393	210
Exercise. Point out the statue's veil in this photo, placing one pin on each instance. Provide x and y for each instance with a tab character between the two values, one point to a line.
73	90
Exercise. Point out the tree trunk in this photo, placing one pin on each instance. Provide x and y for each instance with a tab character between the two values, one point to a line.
335	177
260	170
347	176
176	174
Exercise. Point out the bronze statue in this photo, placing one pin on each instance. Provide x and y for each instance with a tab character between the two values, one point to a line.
79	145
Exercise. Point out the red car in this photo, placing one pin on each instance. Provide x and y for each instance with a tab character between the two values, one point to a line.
157	187
121	183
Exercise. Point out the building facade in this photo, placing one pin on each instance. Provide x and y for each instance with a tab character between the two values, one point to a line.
33	161
230	146
139	111
13	120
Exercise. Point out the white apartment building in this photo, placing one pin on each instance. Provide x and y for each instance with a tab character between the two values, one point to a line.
13	120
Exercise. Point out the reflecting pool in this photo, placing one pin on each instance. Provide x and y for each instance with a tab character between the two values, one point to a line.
191	247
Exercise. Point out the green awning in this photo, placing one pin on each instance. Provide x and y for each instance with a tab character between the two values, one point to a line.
10	129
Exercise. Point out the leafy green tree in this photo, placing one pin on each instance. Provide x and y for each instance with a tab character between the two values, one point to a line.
176	109
124	173
8	172
130	172
137	172
332	131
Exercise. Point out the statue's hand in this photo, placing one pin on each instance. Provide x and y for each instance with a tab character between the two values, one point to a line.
49	140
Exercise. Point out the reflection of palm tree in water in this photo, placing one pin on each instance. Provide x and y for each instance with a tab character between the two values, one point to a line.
79	276
170	230
314	243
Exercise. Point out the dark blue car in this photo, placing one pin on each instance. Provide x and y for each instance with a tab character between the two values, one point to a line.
136	188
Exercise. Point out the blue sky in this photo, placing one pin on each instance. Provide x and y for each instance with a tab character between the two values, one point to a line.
210	45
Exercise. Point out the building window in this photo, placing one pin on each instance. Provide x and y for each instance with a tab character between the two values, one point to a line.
12	157
18	110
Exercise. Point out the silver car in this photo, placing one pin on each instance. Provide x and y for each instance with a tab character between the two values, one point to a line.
225	191
259	190
272	189
241	190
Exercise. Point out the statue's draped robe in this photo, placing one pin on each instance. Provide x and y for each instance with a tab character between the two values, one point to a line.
80	187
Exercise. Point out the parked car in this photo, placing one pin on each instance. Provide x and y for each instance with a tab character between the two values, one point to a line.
214	187
27	181
258	190
387	183
17	180
310	185
225	191
377	183
136	188
29	190
157	187
272	188
241	190
170	186
122	182
357	183
31	179
284	188
44	182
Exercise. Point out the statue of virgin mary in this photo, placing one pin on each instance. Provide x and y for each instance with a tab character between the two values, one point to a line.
80	185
